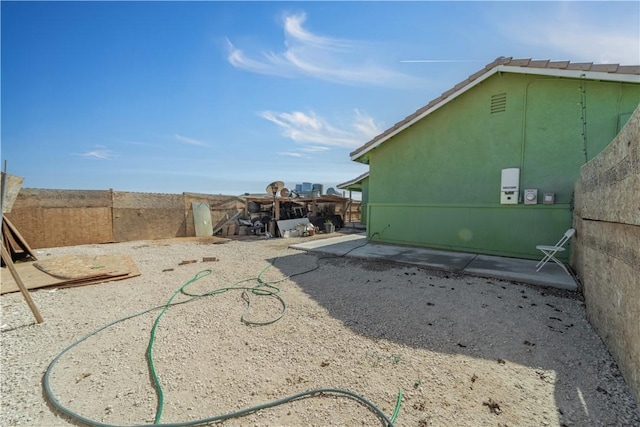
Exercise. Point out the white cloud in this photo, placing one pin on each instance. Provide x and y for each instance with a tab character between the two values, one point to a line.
308	128
300	152
98	153
294	30
587	45
292	154
314	149
365	125
238	59
190	141
325	58
582	32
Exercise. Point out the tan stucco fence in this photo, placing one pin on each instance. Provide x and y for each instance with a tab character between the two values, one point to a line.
606	249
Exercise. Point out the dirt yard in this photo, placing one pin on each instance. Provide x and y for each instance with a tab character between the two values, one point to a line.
463	351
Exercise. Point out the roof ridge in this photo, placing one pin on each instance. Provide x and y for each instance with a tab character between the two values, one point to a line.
566	65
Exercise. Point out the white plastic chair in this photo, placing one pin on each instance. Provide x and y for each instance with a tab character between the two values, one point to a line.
550	251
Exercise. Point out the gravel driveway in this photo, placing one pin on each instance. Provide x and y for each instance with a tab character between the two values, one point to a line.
460	350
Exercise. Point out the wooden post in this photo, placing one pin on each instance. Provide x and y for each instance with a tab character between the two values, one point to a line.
344	209
276	214
351	206
23	289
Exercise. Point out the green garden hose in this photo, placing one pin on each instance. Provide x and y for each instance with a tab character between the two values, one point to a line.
263	288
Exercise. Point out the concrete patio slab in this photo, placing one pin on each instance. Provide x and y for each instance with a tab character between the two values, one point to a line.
521	270
511	269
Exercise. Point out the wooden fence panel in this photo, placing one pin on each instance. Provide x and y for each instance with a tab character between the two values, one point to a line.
30	224
76	226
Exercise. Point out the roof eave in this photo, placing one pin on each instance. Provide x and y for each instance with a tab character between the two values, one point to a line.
352	182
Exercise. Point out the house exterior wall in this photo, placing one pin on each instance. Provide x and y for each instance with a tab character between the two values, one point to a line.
437	183
606	252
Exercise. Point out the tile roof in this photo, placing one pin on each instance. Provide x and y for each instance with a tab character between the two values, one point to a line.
589	70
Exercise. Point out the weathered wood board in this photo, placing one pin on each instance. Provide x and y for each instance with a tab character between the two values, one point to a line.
12	188
34	278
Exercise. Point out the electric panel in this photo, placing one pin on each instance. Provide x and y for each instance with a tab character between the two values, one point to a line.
510	186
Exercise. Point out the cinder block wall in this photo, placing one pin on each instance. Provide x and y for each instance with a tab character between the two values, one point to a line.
606	250
51	218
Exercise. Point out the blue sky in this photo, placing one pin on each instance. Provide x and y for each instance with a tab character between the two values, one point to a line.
226	97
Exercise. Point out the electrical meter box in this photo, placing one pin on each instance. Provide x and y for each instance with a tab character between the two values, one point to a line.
510	186
531	196
549	198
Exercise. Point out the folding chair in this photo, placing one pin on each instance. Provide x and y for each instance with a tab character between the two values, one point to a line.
550	251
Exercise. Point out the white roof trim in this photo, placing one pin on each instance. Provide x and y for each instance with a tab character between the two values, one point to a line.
588	75
353	181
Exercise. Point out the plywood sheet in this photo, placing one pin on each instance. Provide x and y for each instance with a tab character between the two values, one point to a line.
30	223
74	267
73	226
148	224
35	278
12	188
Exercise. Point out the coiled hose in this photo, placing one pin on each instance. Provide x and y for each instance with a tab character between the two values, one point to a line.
263	288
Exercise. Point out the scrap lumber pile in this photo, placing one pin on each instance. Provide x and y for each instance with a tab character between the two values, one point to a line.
28	272
14	243
71	270
12	240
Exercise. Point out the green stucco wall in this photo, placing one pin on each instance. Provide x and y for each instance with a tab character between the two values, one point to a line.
488	229
437	183
365	201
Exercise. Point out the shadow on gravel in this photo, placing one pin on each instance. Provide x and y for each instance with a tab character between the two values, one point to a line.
456	314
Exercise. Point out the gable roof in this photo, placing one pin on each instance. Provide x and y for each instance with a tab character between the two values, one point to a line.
586	70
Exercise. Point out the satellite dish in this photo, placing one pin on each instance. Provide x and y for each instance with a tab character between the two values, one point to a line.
284	192
274	187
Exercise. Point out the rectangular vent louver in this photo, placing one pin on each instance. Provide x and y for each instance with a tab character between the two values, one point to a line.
498	103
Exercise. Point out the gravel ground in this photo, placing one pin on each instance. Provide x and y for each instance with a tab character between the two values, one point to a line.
465	351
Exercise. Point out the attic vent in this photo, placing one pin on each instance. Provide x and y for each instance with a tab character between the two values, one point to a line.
498	103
